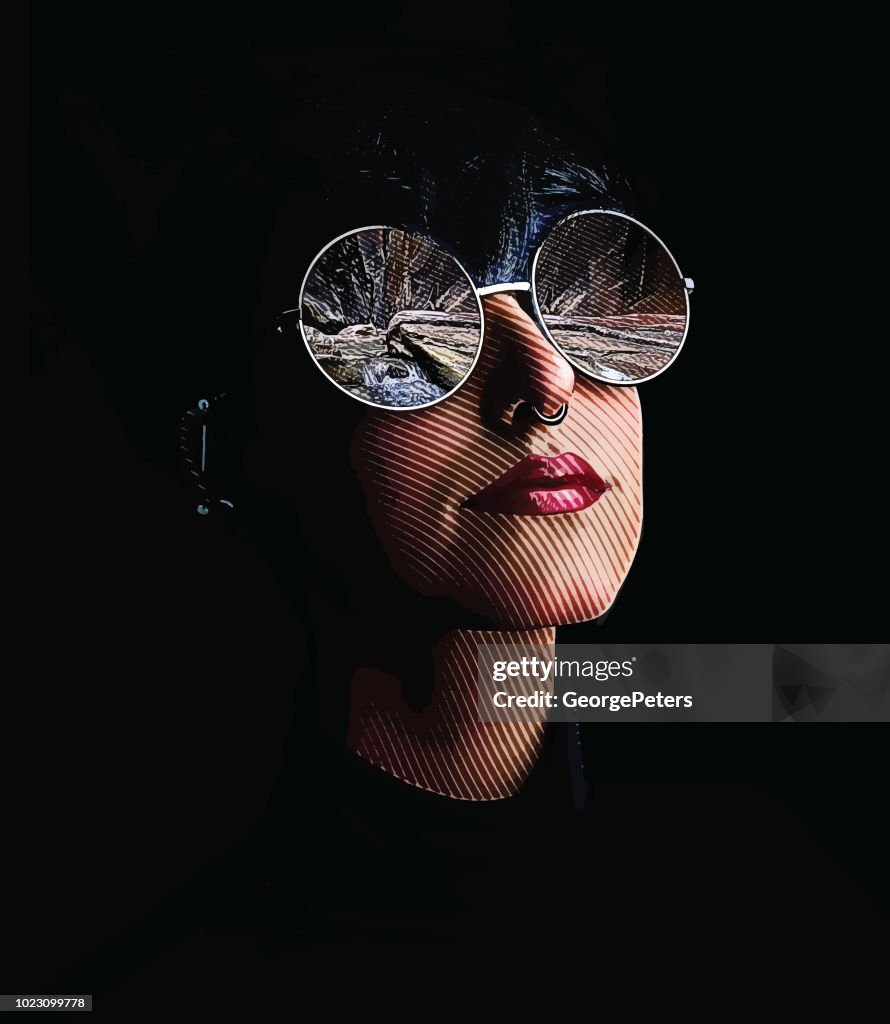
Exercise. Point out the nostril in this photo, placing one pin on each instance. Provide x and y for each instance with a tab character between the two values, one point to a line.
524	412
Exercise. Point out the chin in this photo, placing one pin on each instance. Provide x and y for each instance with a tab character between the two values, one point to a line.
519	589
549	611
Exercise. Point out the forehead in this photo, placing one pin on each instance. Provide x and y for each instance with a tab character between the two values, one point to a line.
489	188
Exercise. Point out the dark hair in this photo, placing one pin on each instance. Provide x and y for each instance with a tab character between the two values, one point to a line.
465	161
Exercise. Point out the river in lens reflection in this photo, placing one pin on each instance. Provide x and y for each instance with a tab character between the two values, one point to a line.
385	384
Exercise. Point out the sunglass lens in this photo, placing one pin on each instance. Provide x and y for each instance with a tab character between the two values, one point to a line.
611	297
391	318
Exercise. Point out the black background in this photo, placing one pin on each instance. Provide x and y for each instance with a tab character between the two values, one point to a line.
161	649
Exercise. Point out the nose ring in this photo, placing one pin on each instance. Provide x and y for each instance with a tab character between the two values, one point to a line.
557	417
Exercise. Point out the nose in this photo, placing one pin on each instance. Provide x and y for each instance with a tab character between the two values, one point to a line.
522	367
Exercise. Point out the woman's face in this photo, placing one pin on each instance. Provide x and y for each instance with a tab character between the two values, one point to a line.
552	543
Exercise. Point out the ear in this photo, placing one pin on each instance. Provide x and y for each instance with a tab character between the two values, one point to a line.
210	457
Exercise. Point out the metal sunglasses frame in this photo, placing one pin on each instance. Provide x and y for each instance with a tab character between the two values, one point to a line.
494	289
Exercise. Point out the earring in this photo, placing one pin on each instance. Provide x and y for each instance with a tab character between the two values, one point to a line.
193	446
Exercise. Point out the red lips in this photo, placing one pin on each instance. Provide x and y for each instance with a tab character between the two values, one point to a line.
541	486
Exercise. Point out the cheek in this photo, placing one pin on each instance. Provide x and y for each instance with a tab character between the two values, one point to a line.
418	467
599	545
606	423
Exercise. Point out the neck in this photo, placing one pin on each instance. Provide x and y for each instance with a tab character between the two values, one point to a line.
437	742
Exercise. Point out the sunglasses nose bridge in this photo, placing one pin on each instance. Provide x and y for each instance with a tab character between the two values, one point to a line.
521	292
505	286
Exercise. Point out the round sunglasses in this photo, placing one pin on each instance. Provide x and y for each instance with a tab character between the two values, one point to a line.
394	320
